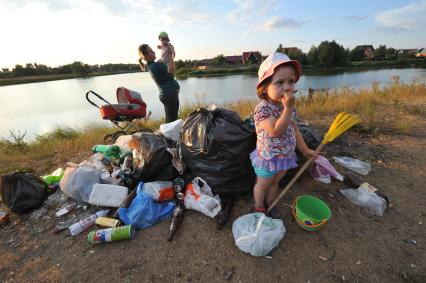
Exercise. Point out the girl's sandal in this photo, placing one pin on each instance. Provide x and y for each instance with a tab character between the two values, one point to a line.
274	213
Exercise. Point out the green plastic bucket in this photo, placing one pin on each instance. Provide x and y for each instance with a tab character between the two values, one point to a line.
310	212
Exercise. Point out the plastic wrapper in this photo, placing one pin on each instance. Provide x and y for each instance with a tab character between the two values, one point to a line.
199	196
367	198
353	164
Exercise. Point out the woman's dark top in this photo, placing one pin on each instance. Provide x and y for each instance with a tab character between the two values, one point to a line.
165	81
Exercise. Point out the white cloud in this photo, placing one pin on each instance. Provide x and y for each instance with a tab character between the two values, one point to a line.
409	17
93	31
249	10
251	15
279	23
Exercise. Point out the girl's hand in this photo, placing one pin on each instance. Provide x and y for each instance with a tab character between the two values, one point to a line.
308	153
288	100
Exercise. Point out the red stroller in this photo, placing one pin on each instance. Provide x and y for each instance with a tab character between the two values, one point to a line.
130	106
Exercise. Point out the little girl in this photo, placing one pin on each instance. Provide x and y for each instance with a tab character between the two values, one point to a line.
277	134
167	51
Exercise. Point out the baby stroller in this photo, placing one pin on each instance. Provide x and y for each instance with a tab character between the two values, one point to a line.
130	106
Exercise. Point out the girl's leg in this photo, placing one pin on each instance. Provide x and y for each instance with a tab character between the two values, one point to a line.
259	191
272	193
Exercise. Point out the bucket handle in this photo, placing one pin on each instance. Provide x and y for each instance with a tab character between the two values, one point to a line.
293	210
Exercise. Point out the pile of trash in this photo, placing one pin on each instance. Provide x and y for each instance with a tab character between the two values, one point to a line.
201	164
146	178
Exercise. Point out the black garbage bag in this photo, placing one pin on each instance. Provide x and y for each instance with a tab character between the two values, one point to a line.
215	145
22	192
157	161
309	136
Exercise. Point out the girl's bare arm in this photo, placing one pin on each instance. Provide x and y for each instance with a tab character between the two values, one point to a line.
277	127
300	143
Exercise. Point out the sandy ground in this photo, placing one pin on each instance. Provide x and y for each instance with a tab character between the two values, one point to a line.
353	247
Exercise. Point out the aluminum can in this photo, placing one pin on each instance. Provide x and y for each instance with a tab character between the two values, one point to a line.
111	234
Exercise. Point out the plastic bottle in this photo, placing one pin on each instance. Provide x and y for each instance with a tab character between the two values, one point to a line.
79	227
109	151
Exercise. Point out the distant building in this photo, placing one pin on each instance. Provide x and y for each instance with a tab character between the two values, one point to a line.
252	57
234	60
412	51
287	50
368	51
421	53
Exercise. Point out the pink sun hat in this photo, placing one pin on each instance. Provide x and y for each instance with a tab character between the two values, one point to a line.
274	60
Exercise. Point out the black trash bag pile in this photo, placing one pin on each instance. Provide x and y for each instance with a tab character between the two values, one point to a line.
215	145
157	161
22	192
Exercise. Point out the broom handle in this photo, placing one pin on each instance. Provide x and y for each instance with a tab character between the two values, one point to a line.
294	179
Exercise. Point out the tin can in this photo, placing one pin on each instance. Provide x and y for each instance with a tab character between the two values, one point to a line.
111	234
127	165
107	222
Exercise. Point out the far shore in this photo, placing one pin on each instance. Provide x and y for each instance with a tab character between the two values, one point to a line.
212	71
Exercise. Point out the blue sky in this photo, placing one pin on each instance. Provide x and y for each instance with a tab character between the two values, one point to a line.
56	32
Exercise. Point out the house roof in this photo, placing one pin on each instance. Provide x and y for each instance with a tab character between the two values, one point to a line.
247	54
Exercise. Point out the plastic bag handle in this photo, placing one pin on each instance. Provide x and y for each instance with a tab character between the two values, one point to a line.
258	226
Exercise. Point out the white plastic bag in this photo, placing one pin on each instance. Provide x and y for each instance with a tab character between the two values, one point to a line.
353	164
199	196
123	142
367	198
159	190
78	182
257	234
172	130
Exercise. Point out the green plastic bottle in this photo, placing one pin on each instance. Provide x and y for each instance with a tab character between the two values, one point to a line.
109	151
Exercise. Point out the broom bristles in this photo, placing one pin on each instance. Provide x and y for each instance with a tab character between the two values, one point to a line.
341	124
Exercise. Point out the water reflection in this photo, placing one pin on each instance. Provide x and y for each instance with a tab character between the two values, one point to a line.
40	107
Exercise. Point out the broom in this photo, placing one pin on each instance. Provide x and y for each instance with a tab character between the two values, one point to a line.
341	124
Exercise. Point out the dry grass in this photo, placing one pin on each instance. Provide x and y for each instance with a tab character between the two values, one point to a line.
393	109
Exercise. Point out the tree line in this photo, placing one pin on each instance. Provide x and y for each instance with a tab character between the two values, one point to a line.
332	54
326	54
78	68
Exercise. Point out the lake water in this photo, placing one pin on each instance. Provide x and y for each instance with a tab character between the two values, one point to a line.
40	107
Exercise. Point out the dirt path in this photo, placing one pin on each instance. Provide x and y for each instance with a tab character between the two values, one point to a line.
353	247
